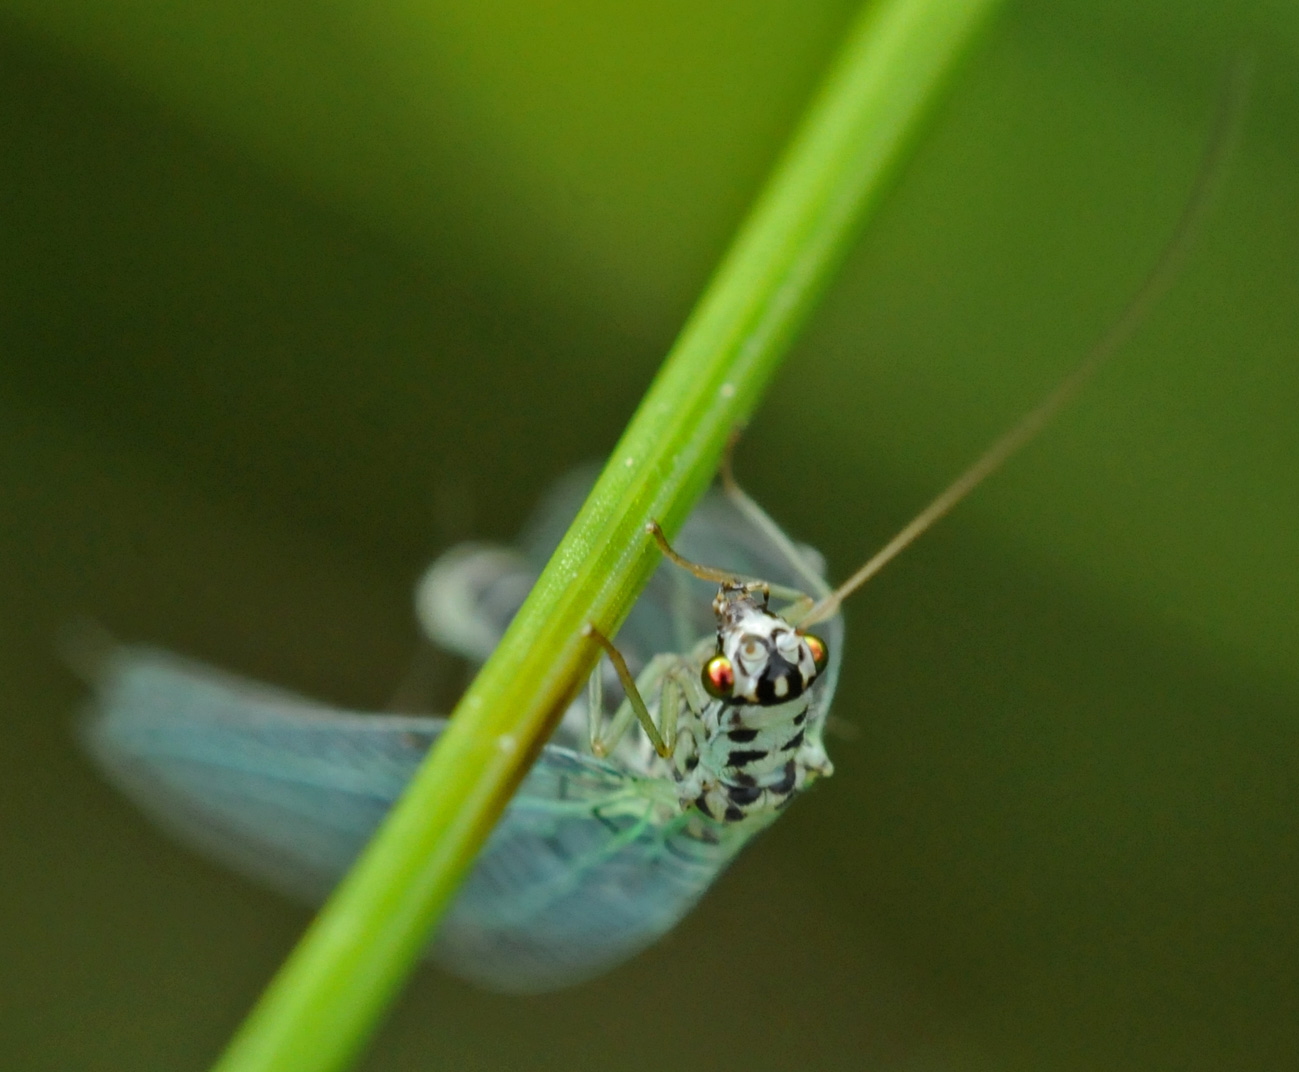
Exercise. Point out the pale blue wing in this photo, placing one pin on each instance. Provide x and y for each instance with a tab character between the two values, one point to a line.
558	897
574	879
279	788
649	884
579	874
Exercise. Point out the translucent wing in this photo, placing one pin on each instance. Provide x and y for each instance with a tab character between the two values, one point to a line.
637	892
277	787
567	886
577	876
590	862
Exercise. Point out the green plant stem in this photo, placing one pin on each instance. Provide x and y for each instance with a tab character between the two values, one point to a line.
321	1007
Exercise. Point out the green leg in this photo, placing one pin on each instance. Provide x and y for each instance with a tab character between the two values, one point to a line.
708	573
634	704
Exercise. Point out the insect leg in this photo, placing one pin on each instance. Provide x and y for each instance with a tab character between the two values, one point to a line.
797	602
684	676
669	708
680	684
604	739
795	596
704	573
633	703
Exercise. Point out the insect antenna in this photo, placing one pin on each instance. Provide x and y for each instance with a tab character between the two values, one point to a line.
1153	287
704	573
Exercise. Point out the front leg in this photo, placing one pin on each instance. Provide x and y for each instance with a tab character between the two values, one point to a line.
633	705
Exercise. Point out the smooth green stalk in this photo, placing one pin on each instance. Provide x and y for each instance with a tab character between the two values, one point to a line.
330	994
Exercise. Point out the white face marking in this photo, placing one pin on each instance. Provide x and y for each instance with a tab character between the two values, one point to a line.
771	662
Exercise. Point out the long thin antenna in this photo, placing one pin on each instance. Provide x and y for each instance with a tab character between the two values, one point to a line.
704	573
1208	179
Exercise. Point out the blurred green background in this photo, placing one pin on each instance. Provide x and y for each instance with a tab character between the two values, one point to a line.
294	296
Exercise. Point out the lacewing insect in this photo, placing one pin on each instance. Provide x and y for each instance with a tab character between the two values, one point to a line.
627	816
596	855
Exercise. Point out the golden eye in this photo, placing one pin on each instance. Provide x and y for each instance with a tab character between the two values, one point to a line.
718	677
820	653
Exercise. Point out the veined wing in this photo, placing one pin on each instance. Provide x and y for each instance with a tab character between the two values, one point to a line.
561	896
281	789
590	863
584	869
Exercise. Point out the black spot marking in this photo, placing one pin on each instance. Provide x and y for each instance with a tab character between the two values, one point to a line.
779	669
744	779
744	757
742	736
793	742
800	718
743	794
733	814
701	802
692	763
